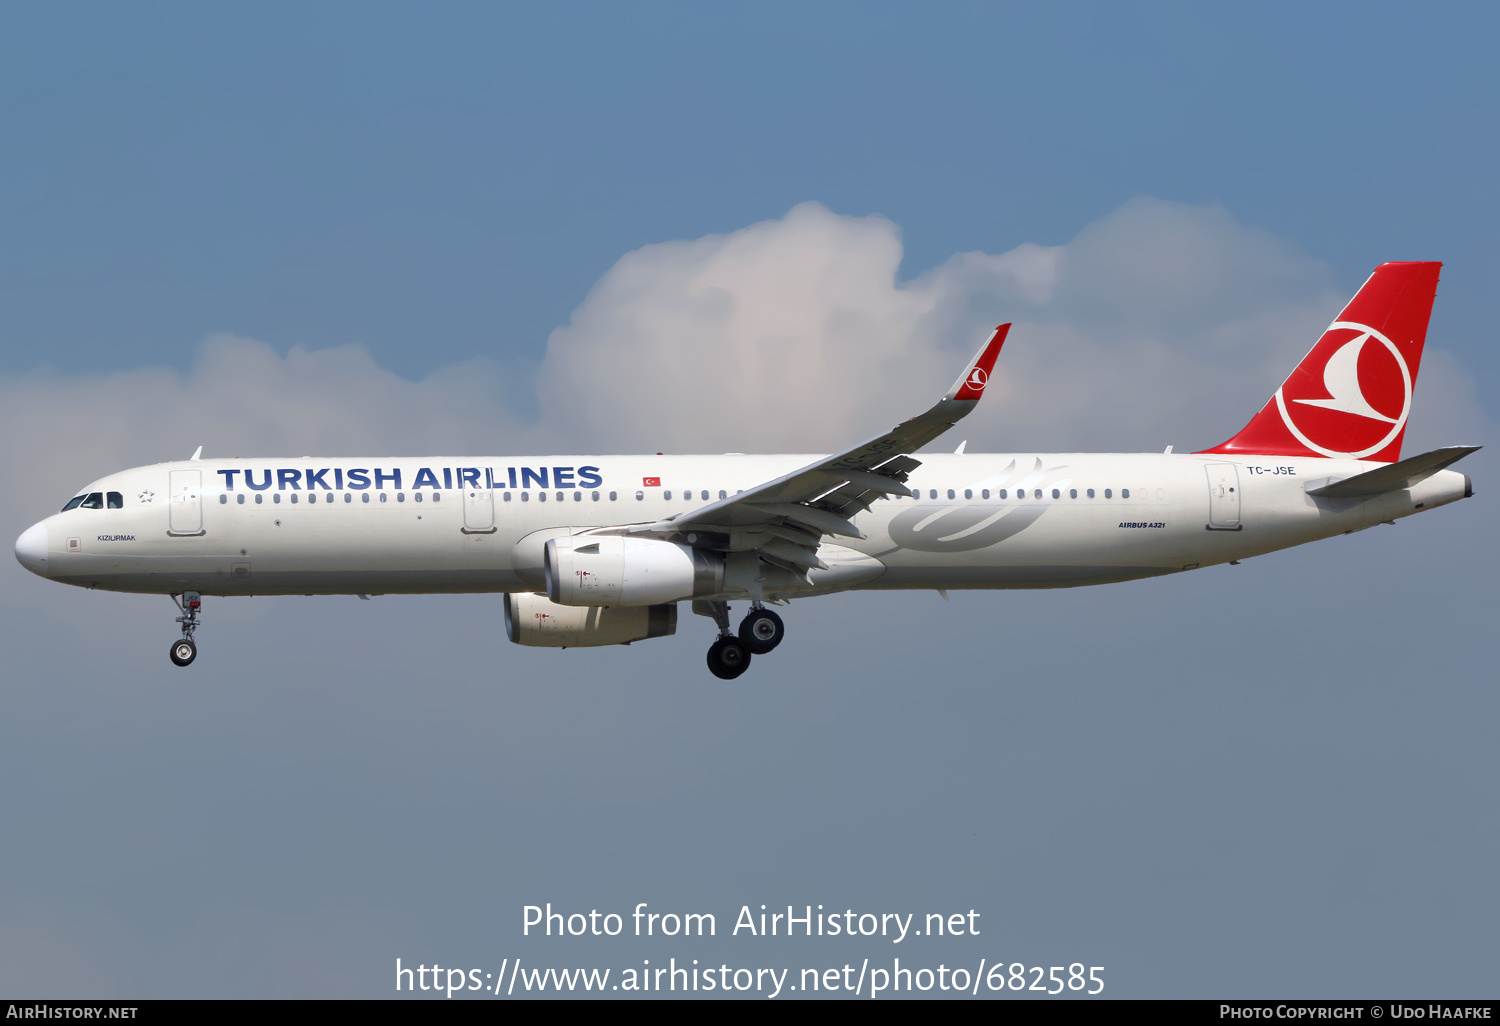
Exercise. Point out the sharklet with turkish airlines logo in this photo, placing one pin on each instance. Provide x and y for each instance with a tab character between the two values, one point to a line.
970	384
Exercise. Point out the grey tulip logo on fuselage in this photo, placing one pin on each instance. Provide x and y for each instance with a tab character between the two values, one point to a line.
978	523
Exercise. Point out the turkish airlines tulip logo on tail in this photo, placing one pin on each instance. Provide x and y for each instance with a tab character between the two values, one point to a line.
1354	395
977	378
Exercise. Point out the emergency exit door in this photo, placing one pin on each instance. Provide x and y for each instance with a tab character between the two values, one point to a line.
479	510
1223	496
185	507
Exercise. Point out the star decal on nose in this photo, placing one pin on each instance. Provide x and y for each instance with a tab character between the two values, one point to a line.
147	495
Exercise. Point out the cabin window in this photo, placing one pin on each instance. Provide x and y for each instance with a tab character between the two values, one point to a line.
437	496
1091	493
577	496
541	496
240	498
382	496
416	496
950	493
507	496
968	493
400	496
639	496
363	497
312	497
932	493
985	494
723	494
259	498
525	496
596	496
1108	493
1124	493
116	500
614	496
667	495
276	498
294	498
223	498
1056	494
1001	493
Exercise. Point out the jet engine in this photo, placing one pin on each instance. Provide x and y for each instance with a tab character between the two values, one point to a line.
537	621
611	570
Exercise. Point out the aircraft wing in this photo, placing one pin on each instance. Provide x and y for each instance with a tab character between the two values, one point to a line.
796	510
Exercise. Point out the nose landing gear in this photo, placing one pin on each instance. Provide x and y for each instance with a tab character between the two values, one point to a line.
185	649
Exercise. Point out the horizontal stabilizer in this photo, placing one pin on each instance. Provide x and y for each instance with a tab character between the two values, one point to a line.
1396	476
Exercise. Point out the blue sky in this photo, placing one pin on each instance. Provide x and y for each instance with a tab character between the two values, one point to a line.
437	183
363	227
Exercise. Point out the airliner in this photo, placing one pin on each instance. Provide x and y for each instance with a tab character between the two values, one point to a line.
600	550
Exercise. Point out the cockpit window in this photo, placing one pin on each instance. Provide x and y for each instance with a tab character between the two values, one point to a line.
116	500
94	500
74	501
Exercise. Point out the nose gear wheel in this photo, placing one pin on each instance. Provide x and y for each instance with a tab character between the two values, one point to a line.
185	650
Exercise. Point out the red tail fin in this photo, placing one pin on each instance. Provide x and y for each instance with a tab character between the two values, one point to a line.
1349	398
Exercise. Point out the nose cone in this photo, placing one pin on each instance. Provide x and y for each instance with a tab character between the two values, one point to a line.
31	549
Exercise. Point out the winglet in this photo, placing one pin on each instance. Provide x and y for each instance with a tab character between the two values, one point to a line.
970	384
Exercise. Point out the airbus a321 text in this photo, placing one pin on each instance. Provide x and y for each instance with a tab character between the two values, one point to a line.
600	550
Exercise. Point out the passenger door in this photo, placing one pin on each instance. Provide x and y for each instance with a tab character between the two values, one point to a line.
1223	496
185	507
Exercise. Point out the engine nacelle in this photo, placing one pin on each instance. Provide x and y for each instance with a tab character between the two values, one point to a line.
537	621
611	570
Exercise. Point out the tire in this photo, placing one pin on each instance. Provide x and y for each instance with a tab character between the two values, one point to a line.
761	631
183	652
728	658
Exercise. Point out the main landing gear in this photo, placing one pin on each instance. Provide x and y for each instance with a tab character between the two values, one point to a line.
760	631
185	649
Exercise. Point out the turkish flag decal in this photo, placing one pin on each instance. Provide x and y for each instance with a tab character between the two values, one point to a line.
651	482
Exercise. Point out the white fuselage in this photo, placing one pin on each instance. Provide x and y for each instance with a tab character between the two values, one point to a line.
374	526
